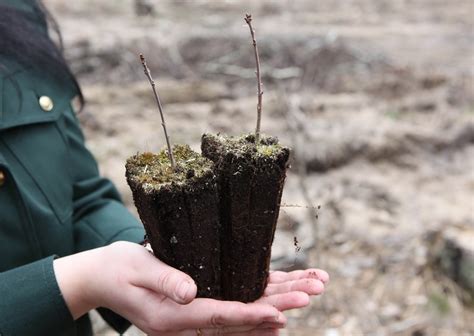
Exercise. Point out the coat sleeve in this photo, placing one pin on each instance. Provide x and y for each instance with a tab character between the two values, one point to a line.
31	301
100	217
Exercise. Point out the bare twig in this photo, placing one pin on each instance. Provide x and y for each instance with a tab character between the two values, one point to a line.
248	20
297	132
284	205
296	137
160	108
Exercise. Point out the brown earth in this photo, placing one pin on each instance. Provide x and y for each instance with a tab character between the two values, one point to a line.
375	97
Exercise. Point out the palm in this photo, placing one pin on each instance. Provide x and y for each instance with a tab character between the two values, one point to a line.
284	291
145	291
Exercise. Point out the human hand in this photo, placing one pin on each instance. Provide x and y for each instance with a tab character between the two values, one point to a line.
159	299
290	290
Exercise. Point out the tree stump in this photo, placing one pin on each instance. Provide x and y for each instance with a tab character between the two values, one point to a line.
250	182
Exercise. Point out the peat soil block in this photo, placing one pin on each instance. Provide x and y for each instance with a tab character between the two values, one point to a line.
250	182
179	209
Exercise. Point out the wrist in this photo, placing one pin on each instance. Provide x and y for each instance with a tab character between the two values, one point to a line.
77	279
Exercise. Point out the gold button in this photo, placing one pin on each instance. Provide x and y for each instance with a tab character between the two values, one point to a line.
2	178
46	103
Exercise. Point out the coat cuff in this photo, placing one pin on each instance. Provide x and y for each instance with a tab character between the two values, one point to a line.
110	223
32	303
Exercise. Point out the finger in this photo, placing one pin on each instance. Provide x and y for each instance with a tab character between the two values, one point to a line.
251	332
209	313
155	275
233	331
245	330
308	286
258	332
272	325
311	273
286	301
261	332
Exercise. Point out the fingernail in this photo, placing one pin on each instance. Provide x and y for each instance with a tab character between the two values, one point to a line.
324	277
184	291
281	318
273	318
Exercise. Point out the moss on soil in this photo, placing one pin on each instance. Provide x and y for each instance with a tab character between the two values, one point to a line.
152	171
245	144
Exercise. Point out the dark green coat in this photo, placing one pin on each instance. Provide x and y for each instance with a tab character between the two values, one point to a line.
52	201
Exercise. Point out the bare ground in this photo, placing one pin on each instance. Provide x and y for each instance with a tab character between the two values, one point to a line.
375	97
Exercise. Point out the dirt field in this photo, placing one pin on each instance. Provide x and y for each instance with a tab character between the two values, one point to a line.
376	99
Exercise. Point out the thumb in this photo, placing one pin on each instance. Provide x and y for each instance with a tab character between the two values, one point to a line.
168	281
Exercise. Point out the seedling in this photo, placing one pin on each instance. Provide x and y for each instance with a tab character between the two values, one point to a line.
248	20
147	72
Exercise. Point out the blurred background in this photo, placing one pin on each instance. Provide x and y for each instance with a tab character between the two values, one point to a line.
374	97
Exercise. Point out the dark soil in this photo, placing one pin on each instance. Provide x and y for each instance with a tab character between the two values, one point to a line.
179	212
223	242
250	183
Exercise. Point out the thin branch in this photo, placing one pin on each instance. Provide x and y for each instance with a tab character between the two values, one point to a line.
291	106
248	20
310	206
160	108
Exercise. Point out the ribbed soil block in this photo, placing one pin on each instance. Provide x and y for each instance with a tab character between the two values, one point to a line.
179	210
250	184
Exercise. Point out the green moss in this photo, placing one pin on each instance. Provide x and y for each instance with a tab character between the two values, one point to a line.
154	170
268	150
245	144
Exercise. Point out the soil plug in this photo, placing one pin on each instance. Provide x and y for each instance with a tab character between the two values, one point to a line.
250	184
251	171
175	194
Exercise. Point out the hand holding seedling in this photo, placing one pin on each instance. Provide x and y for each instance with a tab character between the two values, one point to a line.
160	300
213	224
